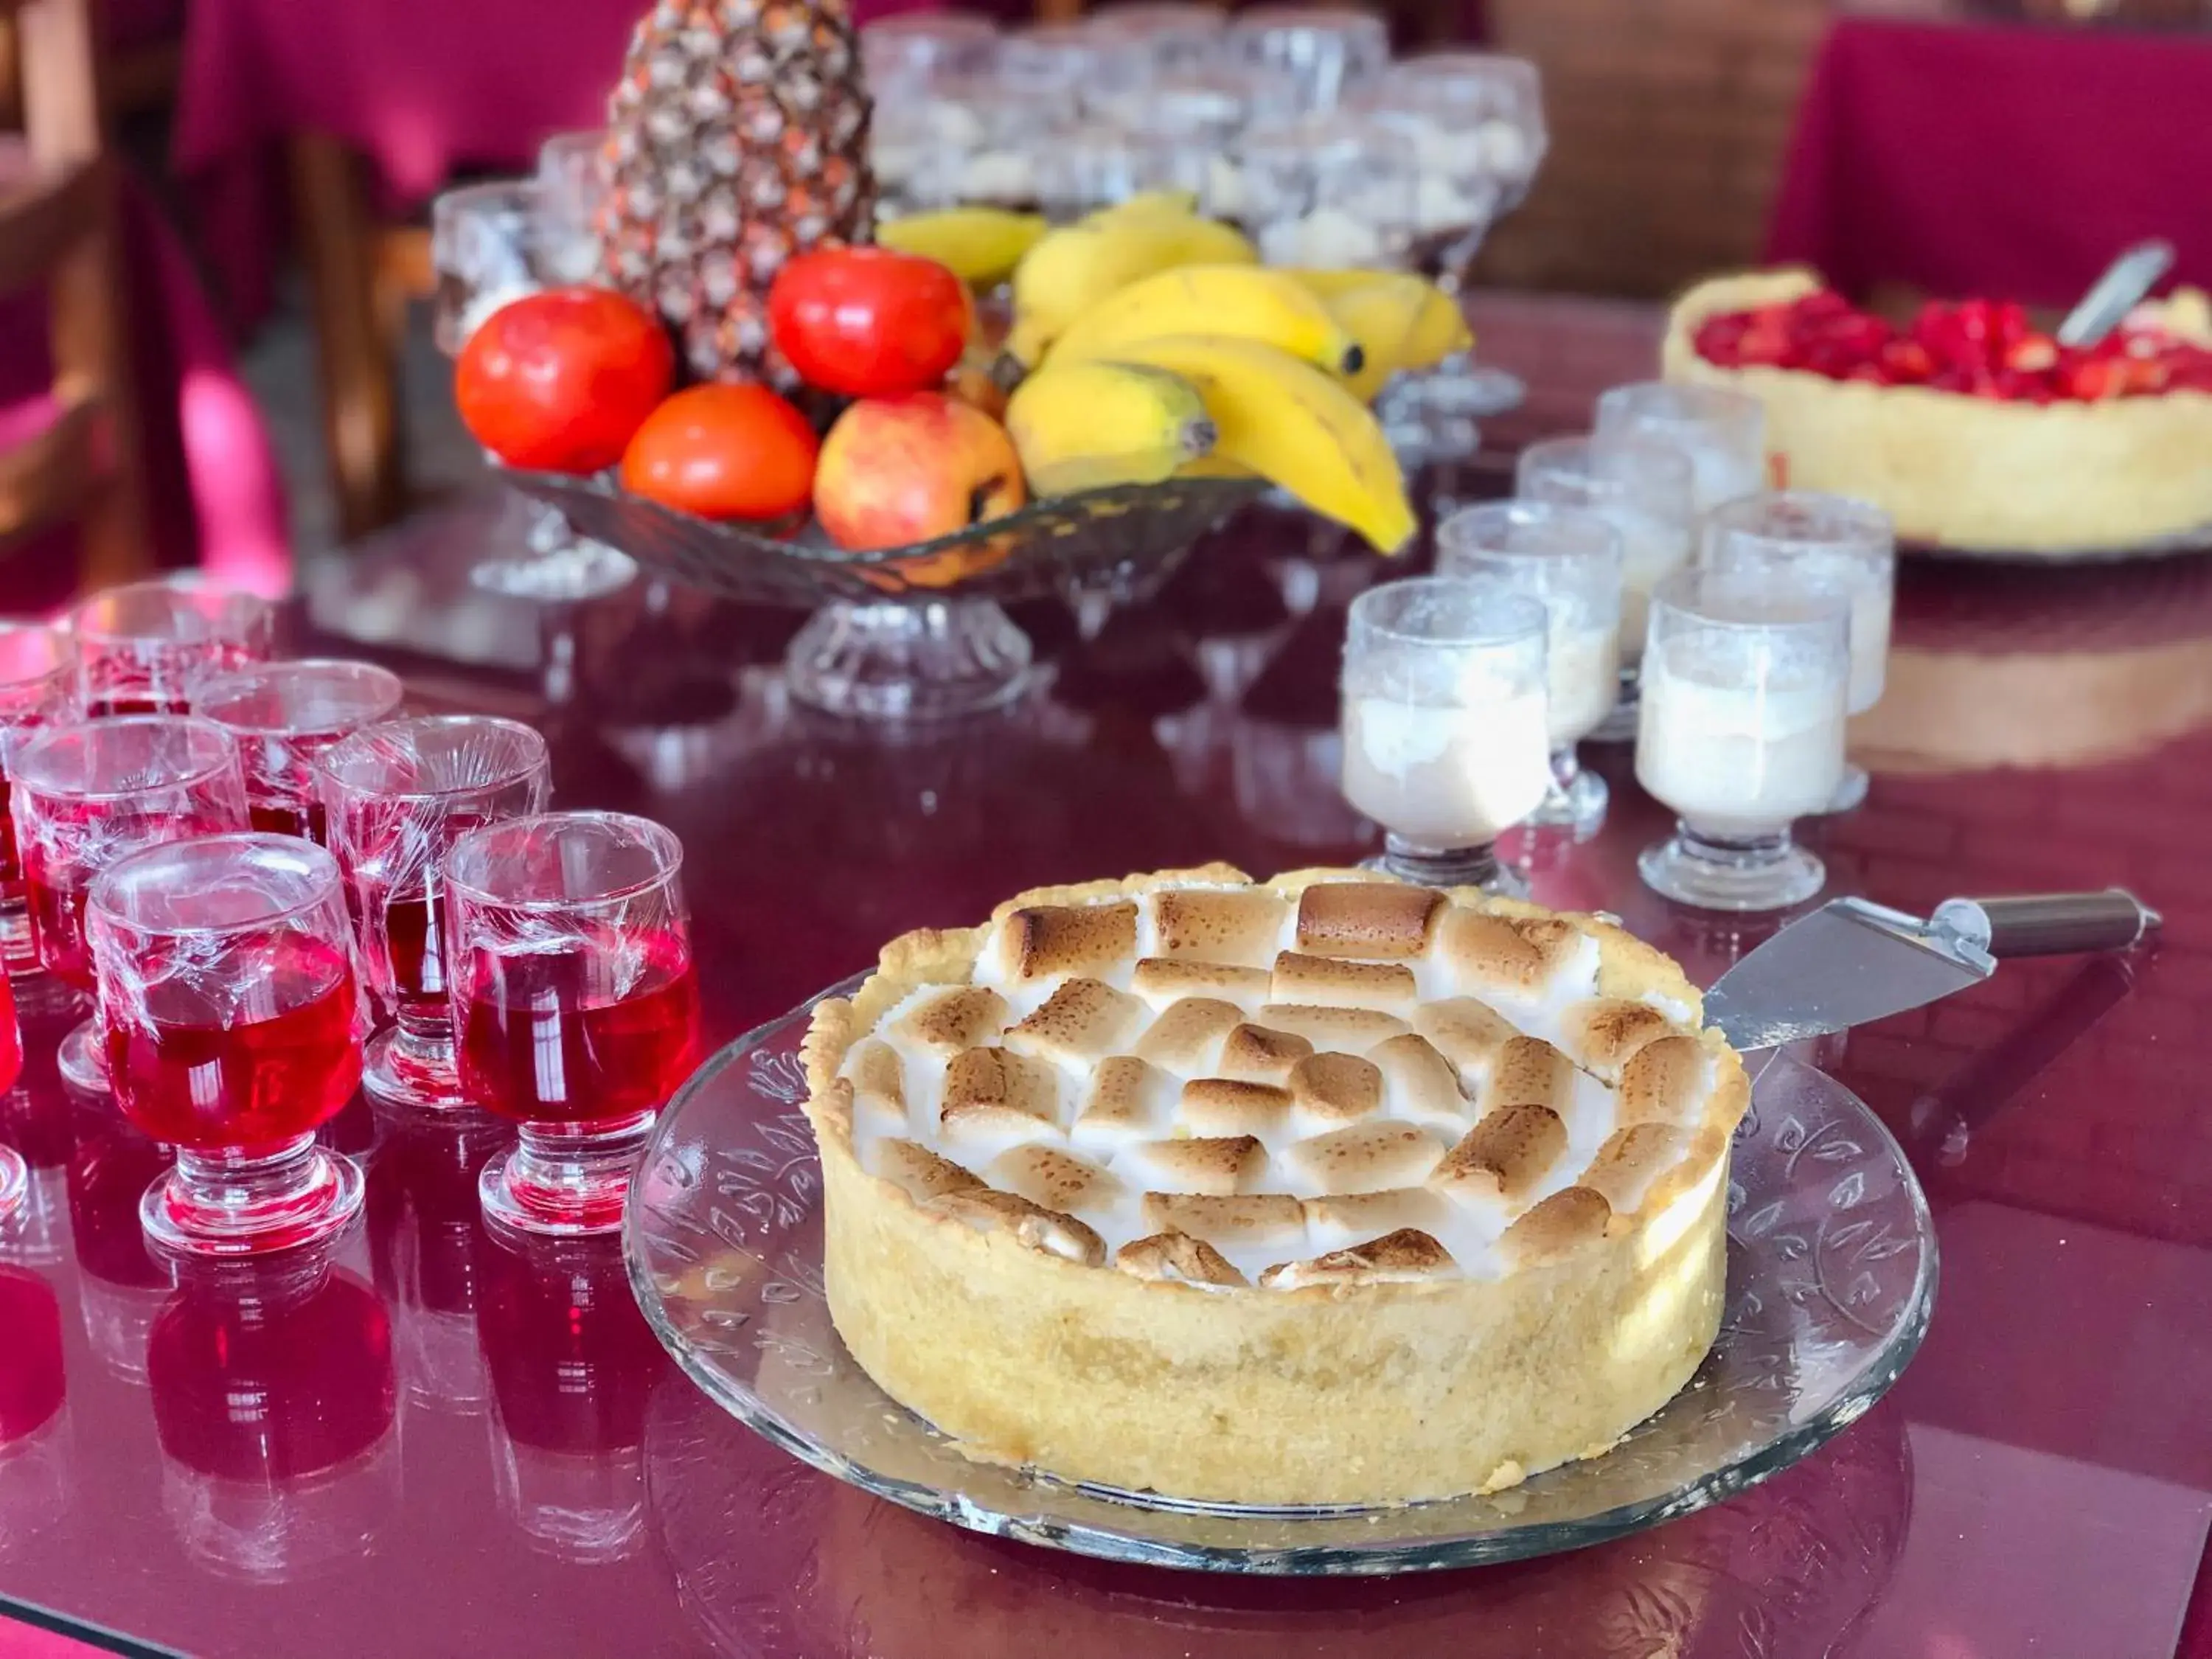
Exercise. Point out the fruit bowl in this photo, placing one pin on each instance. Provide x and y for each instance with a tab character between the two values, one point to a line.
916	631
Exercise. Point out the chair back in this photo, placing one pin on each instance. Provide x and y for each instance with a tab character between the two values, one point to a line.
80	462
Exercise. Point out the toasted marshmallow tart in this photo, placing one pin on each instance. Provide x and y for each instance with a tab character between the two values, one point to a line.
1322	1190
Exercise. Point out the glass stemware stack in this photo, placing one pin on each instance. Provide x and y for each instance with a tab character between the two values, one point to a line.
1292	122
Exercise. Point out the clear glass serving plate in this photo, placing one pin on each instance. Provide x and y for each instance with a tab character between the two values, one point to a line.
1832	1276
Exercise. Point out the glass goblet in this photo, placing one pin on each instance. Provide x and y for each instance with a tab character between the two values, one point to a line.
233	1016
1829	542
1643	487
1333	190
1329	49
488	246
38	687
572	177
1723	431
1741	731
396	797
282	715
576	1001
142	648
1173	35
1446	737
910	48
85	795
1569	559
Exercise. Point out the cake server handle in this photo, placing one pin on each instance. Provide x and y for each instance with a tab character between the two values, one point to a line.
2049	924
2123	287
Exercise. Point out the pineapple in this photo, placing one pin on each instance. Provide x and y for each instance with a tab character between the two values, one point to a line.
736	138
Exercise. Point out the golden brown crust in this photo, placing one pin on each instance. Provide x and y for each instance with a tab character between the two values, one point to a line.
1961	472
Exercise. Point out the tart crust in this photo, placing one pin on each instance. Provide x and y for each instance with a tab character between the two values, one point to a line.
1967	472
1363	1376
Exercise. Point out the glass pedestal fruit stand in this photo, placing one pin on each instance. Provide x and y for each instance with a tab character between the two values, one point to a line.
917	632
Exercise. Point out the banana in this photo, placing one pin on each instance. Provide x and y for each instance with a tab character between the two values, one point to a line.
979	245
1246	301
1400	323
1074	268
1328	281
1086	425
1152	202
1294	426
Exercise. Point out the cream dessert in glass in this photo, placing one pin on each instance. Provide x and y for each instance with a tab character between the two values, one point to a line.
1644	489
1723	431
1446	735
1569	558
1832	542
1741	731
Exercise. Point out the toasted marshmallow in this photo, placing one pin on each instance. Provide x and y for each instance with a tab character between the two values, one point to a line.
1239	927
1216	1165
1053	1179
1529	1071
1420	1084
1162	980
1606	1033
945	1022
1354	1217
923	1174
878	1082
1045	939
1177	1258
1125	1100
1048	1230
1331	1089
1562	1224
1265	1219
1621	1172
1229	1106
1514	955
1663	1081
1186	1039
1253	1053
1395	1258
1367	1158
1467	1033
1083	1020
993	1098
1375	921
1507	1154
1387	986
1348	1030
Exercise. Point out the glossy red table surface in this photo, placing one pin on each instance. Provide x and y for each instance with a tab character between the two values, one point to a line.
440	1445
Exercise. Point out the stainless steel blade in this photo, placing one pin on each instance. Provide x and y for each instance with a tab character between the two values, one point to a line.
1847	964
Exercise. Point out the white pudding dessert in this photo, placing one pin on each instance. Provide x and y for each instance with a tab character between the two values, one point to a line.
1582	669
1731	758
1447	776
1651	549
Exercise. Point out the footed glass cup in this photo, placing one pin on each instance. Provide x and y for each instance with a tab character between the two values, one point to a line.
577	1003
395	798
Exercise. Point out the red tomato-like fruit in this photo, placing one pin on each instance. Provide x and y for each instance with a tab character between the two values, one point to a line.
724	451
557	381
870	322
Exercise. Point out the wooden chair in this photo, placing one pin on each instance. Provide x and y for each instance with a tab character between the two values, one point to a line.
58	228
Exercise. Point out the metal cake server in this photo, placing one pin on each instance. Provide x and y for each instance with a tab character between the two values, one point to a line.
1851	961
2127	282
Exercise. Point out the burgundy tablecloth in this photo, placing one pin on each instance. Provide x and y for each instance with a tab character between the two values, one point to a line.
420	88
2016	161
215	498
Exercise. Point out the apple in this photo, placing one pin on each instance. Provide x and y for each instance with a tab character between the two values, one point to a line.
895	470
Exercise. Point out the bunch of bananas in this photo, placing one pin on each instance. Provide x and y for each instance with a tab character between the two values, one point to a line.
1153	342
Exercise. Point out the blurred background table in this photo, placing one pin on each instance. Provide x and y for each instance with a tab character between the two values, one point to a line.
508	1464
1964	158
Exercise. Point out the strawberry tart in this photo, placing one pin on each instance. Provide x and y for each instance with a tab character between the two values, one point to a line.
1971	428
